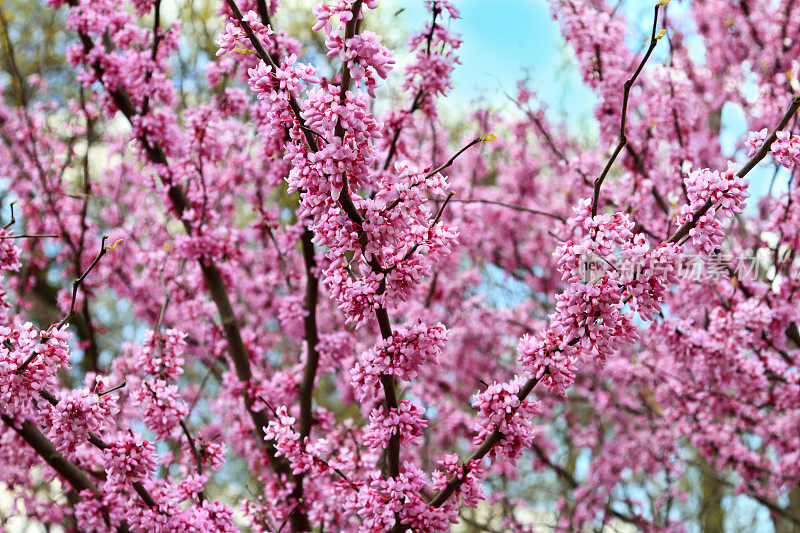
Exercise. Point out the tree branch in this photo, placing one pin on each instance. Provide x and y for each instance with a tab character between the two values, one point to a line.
625	93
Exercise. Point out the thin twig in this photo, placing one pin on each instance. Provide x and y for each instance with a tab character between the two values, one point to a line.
109	391
449	162
455	156
30	236
625	93
79	280
198	459
13	220
512	206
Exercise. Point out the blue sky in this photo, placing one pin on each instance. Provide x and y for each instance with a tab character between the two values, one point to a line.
505	40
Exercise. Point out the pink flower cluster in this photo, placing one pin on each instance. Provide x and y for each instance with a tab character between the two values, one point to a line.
470	492
303	454
599	237
29	362
547	358
162	354
77	413
128	458
289	79
162	408
786	149
755	140
382	498
500	409
726	192
435	57
334	14
407	421
592	314
651	273
365	57
410	347
212	453
234	39
9	255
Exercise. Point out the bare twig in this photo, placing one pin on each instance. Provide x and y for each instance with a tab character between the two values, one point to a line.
625	93
511	206
13	220
79	281
109	391
30	236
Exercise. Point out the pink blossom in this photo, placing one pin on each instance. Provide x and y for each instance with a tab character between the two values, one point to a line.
410	347
162	408
128	458
162	354
77	413
407	421
755	140
786	149
500	409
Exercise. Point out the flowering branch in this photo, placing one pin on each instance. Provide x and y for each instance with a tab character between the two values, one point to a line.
211	274
95	440
30	236
684	229
77	479
496	436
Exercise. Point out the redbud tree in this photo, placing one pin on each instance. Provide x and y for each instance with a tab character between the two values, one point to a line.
291	298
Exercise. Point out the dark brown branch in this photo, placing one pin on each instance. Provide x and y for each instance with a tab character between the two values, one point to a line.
198	459
311	334
489	443
269	59
263	12
13	220
298	516
79	280
96	441
381	314
75	286
76	477
109	391
236	347
30	236
312	360
154	51
625	94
